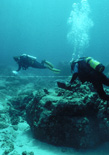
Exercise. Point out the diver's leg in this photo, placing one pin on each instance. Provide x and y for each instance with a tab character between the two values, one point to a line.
100	91
104	80
48	65
36	64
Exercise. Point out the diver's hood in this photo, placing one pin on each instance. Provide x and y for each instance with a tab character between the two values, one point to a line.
16	58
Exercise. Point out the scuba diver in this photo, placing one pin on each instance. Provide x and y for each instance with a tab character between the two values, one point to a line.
25	61
90	70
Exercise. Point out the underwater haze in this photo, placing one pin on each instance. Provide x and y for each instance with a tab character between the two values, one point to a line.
41	28
57	31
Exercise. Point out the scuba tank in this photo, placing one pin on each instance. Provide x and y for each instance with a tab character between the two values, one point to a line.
96	65
30	59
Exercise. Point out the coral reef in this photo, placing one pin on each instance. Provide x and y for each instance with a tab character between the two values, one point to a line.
76	119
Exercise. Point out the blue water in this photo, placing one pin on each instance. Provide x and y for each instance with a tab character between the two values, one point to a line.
40	28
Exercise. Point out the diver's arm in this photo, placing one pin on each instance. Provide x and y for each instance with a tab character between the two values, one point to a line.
75	75
16	72
19	68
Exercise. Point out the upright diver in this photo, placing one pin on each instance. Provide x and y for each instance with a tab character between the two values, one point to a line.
88	69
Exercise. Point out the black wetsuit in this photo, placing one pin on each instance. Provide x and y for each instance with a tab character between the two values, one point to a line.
98	79
26	61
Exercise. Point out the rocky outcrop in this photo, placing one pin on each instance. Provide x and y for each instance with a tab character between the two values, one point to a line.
76	119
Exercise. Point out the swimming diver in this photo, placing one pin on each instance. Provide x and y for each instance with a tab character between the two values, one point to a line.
25	61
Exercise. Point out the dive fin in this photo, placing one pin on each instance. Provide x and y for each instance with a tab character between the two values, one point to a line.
63	86
48	64
55	70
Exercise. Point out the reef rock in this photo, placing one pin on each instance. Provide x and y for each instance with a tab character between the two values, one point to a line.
77	119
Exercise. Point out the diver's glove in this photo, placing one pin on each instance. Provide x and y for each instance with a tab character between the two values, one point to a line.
15	72
68	84
63	85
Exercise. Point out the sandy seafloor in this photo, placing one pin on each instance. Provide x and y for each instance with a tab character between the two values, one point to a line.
22	138
24	141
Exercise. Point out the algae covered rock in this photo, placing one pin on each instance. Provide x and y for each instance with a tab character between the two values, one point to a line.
76	119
